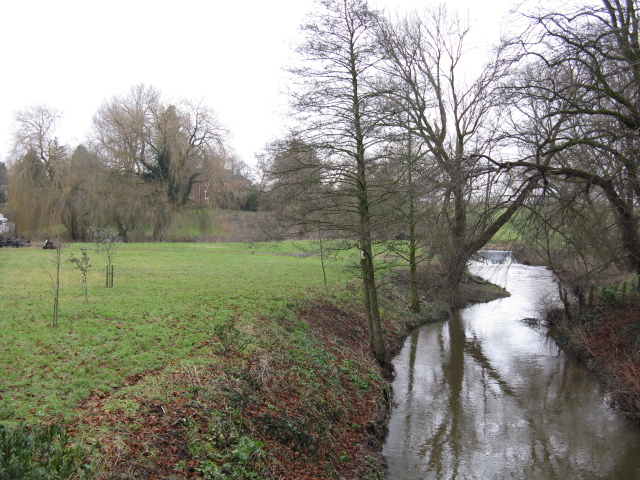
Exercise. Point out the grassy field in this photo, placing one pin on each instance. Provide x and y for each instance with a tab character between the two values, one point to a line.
165	301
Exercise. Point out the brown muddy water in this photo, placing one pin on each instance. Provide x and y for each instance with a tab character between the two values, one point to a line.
488	396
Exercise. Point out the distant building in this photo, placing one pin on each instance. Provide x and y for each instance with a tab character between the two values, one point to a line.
223	191
6	227
199	195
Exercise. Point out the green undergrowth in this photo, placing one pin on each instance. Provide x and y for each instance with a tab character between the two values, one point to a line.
43	453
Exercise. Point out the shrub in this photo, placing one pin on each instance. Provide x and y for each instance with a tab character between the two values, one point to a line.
228	336
609	295
41	453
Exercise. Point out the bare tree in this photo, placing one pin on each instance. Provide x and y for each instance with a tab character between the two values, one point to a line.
35	131
36	185
55	279
407	207
587	78
166	146
106	245
292	186
229	182
49	186
84	266
453	116
336	100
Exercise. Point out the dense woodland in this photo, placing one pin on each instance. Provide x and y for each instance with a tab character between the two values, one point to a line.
402	144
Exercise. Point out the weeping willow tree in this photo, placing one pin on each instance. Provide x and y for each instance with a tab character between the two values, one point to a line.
36	200
164	148
48	188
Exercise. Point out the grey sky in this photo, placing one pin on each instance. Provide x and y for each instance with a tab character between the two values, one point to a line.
74	54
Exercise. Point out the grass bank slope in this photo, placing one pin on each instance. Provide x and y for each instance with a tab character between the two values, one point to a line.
165	301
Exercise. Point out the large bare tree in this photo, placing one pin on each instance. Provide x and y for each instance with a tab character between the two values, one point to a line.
35	132
36	181
166	146
452	113
587	79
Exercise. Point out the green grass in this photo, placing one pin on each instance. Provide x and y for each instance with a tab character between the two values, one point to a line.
196	223
507	235
165	301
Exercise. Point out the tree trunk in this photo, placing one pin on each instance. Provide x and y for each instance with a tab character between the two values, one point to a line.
368	271
366	298
453	276
413	275
413	267
373	312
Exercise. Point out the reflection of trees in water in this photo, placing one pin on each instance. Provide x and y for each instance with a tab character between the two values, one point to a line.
476	410
459	427
444	446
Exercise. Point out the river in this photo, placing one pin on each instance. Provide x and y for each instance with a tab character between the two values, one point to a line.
486	395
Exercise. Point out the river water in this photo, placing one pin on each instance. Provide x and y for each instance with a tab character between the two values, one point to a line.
487	396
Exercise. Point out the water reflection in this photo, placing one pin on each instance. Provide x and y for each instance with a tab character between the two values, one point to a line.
486	396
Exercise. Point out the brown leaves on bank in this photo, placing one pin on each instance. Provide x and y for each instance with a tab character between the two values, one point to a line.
309	424
613	343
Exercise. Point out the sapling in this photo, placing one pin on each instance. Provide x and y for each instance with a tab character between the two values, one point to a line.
84	266
106	241
55	281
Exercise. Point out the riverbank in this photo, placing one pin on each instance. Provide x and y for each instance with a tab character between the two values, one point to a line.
311	403
305	400
607	340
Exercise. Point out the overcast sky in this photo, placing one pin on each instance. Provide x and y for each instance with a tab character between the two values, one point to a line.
74	54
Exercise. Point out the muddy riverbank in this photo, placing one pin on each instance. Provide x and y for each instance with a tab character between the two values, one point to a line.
607	341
